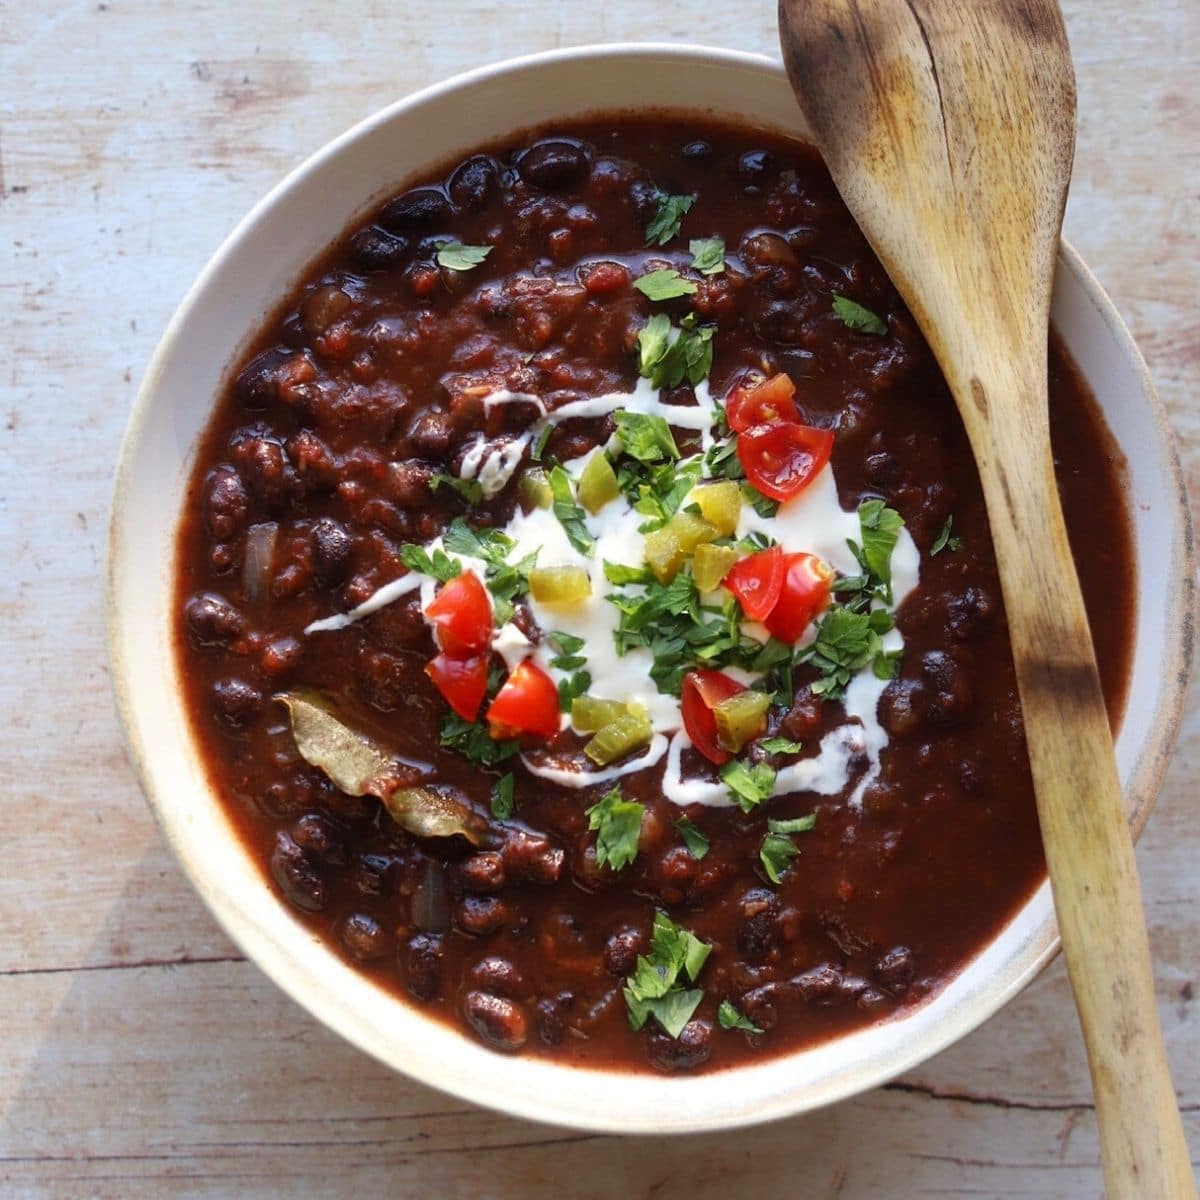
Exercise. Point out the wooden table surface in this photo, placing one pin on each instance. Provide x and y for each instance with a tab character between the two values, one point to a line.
140	1055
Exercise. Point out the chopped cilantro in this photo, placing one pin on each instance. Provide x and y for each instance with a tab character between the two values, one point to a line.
728	1017
880	528
655	988
780	745
506	581
763	505
749	785
620	574
793	824
856	317
617	824
502	797
438	565
708	255
657	490
457	257
776	855
946	540
572	686
696	843
470	490
666	284
847	642
567	647
666	362
474	741
492	545
665	223
539	443
646	437
570	515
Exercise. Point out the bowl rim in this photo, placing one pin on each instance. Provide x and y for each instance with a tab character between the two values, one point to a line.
1145	778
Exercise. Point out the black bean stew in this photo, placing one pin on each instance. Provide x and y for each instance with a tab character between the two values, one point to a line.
362	441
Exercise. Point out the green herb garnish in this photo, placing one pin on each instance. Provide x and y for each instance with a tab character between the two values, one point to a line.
474	741
567	647
666	284
470	490
776	855
780	745
666	362
750	785
655	988
617	823
665	223
502	798
645	437
847	642
438	565
570	515
697	844
728	1017
572	686
708	255
454	256
856	317
946	540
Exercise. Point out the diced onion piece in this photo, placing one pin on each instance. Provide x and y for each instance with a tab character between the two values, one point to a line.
559	585
721	505
534	488
664	555
598	483
618	738
259	557
431	900
711	564
741	718
588	713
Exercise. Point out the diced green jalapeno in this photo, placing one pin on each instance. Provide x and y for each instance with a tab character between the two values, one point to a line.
618	738
535	488
711	564
721	504
559	585
664	555
741	718
690	530
598	483
589	714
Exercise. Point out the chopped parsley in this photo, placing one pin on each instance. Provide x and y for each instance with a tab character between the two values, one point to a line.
506	581
454	256
750	785
570	515
697	844
474	742
708	255
667	362
666	284
572	686
854	316
646	437
780	745
657	490
778	849
438	565
566	647
502	797
880	527
847	642
539	443
792	824
470	490
946	540
655	989
665	223
728	1017
617	824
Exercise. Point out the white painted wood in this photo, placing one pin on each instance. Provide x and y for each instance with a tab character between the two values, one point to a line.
137	1052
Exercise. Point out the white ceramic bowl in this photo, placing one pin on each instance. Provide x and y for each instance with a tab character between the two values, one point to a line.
258	264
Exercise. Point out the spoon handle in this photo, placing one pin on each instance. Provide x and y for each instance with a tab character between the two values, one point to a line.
1089	852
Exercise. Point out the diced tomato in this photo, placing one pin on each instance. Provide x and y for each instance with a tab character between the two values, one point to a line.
756	581
461	616
805	593
702	692
783	459
762	403
527	703
462	681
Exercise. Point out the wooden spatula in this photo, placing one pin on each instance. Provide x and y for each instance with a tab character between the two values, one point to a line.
949	128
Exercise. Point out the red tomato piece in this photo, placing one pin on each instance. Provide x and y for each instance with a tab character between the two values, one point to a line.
762	403
702	692
782	460
527	703
756	581
805	593
462	682
461	616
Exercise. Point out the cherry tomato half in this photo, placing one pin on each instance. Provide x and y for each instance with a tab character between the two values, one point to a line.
762	403
462	682
756	581
461	616
702	692
781	460
527	703
804	594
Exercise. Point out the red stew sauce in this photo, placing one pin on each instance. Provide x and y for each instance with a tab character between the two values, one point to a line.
326	456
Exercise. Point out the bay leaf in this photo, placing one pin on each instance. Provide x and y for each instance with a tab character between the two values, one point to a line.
358	766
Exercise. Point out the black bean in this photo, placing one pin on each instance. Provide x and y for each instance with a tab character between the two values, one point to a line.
212	620
969	613
820	983
376	250
296	876
332	551
431	433
754	166
482	872
645	197
226	503
496	974
480	915
237	702
691	1049
950	684
553	165
408	481
318	838
894	970
499	1022
550	1018
531	857
364	938
621	950
758	931
424	965
322	308
698	152
264	465
419	211
900	706
473	181
257	385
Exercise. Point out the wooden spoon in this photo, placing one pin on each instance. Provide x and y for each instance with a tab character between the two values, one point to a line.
949	128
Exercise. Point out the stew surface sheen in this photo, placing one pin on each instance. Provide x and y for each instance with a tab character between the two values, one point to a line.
327	455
